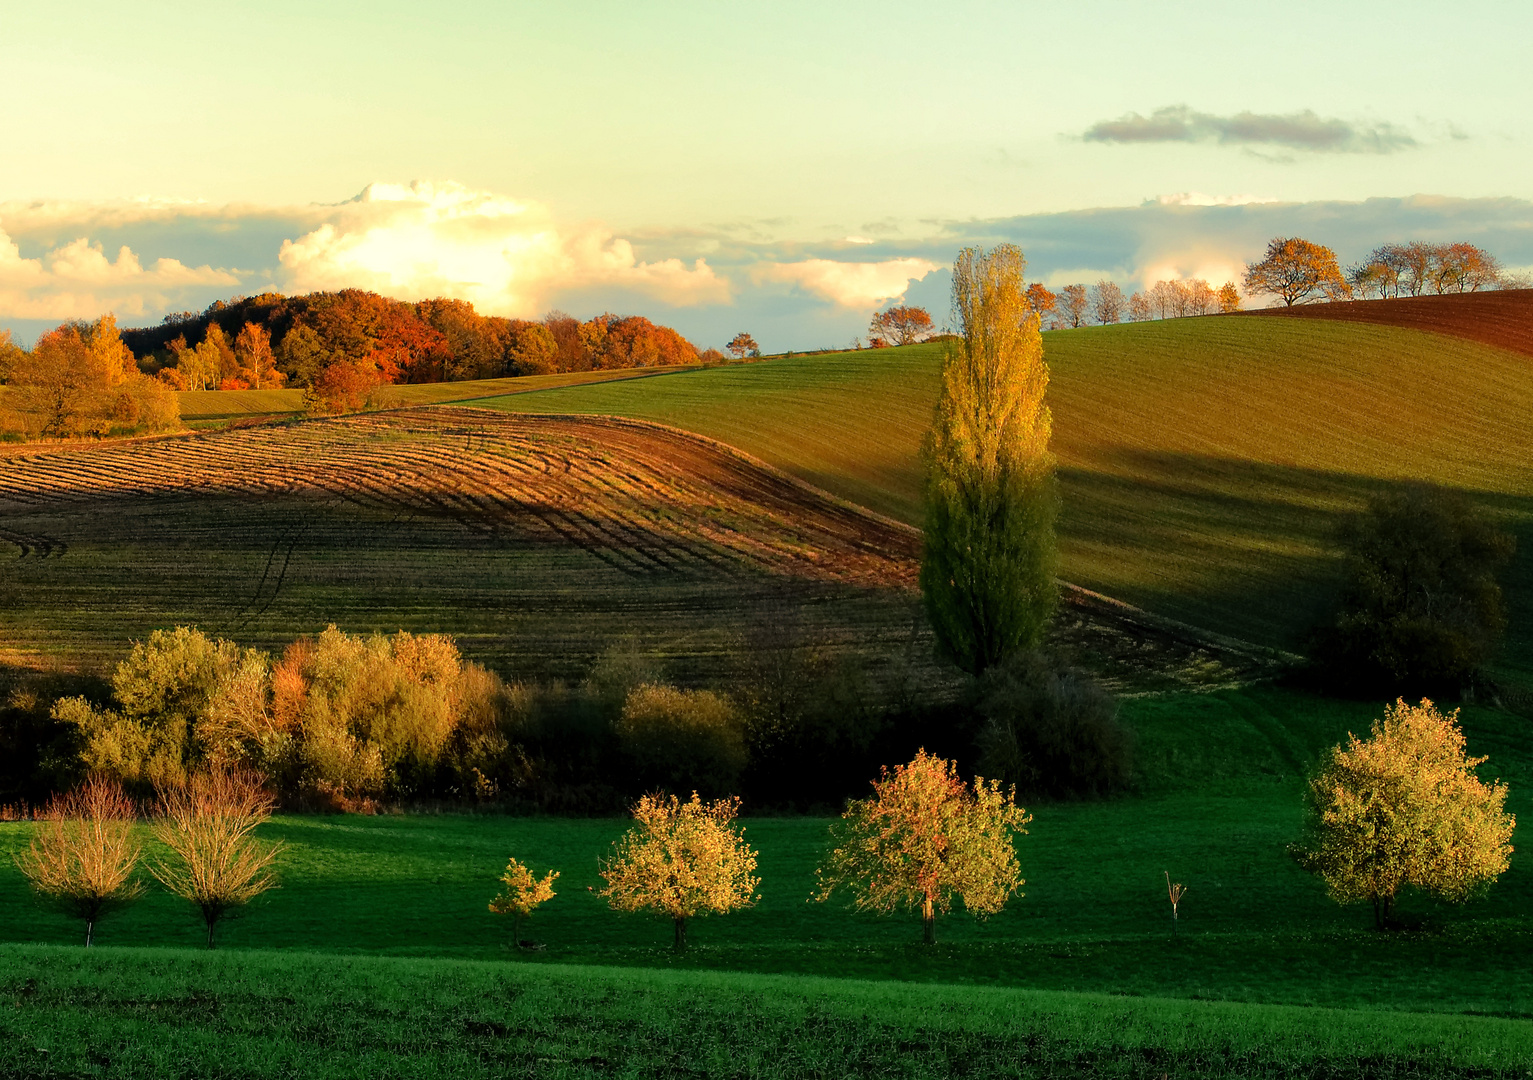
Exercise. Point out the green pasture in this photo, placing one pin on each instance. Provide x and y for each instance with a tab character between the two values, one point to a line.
1204	462
205	405
1219	803
129	1012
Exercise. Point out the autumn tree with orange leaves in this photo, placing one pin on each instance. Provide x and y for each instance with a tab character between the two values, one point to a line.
1404	808
923	838
743	345
901	325
1297	271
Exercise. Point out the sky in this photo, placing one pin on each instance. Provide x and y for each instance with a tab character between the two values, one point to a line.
784	168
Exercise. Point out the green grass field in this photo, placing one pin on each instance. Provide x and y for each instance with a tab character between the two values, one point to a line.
379	936
212	405
114	1012
1204	461
1220	802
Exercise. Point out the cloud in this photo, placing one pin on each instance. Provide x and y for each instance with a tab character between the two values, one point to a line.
506	256
849	284
77	280
1295	131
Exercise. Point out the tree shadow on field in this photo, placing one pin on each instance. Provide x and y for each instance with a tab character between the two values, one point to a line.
1245	548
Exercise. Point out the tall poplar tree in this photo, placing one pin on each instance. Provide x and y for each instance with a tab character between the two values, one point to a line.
987	571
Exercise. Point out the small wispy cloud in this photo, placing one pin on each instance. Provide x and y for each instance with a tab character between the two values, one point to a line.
1305	130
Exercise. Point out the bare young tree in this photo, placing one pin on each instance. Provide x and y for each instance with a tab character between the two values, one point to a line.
84	854
1201	297
215	860
1073	306
1107	302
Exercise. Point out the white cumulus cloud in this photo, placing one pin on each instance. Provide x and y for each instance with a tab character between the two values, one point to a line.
506	256
849	284
77	280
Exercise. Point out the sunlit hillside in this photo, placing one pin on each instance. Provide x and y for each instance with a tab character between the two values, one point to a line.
1204	461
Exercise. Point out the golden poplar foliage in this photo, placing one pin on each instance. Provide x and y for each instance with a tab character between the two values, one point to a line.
681	859
1404	808
522	894
215	860
84	853
924	837
987	568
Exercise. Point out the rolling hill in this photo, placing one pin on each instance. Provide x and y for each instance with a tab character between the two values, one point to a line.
1205	462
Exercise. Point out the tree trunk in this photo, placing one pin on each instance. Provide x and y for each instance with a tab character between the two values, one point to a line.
212	922
516	932
681	933
90	926
928	922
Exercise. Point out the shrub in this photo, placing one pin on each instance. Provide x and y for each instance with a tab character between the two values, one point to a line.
370	715
83	856
181	698
1051	731
1421	609
1404	808
680	739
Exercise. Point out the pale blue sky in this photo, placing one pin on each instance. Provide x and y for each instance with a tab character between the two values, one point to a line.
693	129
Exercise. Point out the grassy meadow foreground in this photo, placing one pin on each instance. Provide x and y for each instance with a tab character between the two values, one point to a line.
168	1013
379	937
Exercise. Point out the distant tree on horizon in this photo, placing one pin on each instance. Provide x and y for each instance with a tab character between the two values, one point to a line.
1297	271
743	345
1073	306
1040	299
1107	302
901	325
1229	298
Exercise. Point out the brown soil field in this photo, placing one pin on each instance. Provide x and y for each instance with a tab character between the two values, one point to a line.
1503	319
536	540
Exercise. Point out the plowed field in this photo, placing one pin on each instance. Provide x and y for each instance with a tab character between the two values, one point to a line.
536	540
1503	319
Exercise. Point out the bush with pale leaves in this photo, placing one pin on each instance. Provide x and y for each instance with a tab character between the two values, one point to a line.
924	838
1404	808
681	859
